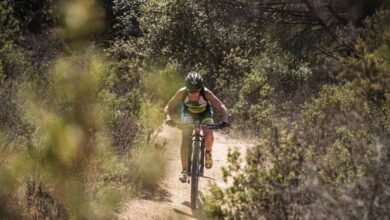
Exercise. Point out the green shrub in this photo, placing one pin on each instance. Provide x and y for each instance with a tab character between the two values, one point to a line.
320	166
12	68
11	57
126	18
36	16
262	187
161	82
254	105
74	109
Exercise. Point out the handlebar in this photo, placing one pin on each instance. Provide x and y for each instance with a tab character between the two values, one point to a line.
196	124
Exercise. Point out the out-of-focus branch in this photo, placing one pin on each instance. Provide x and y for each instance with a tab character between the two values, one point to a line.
336	15
315	15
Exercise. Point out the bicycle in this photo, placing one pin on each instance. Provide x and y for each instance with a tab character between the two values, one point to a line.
196	156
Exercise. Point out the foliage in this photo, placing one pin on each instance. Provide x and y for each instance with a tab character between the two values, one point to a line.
194	34
162	82
9	35
67	135
75	122
125	100
12	67
126	18
305	171
316	167
310	79
254	104
36	15
263	187
171	29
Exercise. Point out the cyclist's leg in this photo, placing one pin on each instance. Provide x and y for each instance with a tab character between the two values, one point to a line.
207	118
186	141
209	140
209	137
185	148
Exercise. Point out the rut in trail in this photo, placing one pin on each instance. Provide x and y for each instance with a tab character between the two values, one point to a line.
173	200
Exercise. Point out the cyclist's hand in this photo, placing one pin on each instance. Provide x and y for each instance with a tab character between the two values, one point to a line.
170	122
223	124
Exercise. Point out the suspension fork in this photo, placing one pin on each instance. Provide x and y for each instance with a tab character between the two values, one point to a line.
202	155
197	137
201	139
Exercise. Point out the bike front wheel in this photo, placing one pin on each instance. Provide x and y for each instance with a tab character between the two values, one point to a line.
195	174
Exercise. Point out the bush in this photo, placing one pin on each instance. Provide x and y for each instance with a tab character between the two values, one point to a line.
329	164
254	106
264	186
61	164
36	15
12	69
126	17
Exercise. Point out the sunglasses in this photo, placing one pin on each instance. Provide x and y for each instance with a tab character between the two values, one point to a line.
193	91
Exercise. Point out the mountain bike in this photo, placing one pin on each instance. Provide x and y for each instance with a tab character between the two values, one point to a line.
196	156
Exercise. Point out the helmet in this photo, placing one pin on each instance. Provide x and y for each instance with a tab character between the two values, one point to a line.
194	81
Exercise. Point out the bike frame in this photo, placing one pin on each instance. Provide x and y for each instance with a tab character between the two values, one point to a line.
196	156
196	159
199	139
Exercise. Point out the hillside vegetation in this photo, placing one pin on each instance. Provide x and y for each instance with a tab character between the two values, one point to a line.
83	83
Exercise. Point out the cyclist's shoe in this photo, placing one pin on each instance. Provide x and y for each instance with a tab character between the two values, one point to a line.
209	160
183	176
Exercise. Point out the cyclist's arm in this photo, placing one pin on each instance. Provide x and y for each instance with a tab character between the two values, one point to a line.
175	100
216	103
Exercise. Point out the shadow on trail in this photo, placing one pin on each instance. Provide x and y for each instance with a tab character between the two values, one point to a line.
182	213
207	177
197	213
160	194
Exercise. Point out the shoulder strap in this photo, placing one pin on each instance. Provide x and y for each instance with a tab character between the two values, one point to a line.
183	98
203	94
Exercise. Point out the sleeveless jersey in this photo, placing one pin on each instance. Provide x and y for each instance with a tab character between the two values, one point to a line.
198	106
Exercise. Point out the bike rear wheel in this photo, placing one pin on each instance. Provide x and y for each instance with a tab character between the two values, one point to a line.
195	174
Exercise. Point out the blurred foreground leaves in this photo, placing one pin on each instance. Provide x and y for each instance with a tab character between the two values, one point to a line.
73	140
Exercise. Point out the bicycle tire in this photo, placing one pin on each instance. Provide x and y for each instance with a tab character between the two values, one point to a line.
194	174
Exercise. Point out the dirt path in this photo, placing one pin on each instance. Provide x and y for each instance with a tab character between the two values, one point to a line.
174	202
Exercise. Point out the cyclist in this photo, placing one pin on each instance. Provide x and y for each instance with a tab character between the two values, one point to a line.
195	104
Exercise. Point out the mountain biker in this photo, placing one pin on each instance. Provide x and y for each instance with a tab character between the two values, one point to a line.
195	104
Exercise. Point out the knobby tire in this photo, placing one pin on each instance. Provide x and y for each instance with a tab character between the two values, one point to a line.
195	174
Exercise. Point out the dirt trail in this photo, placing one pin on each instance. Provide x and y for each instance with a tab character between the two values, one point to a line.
173	201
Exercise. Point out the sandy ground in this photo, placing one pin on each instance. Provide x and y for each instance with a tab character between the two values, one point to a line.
173	201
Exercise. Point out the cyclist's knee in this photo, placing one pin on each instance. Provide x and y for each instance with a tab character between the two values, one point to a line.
209	135
208	132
